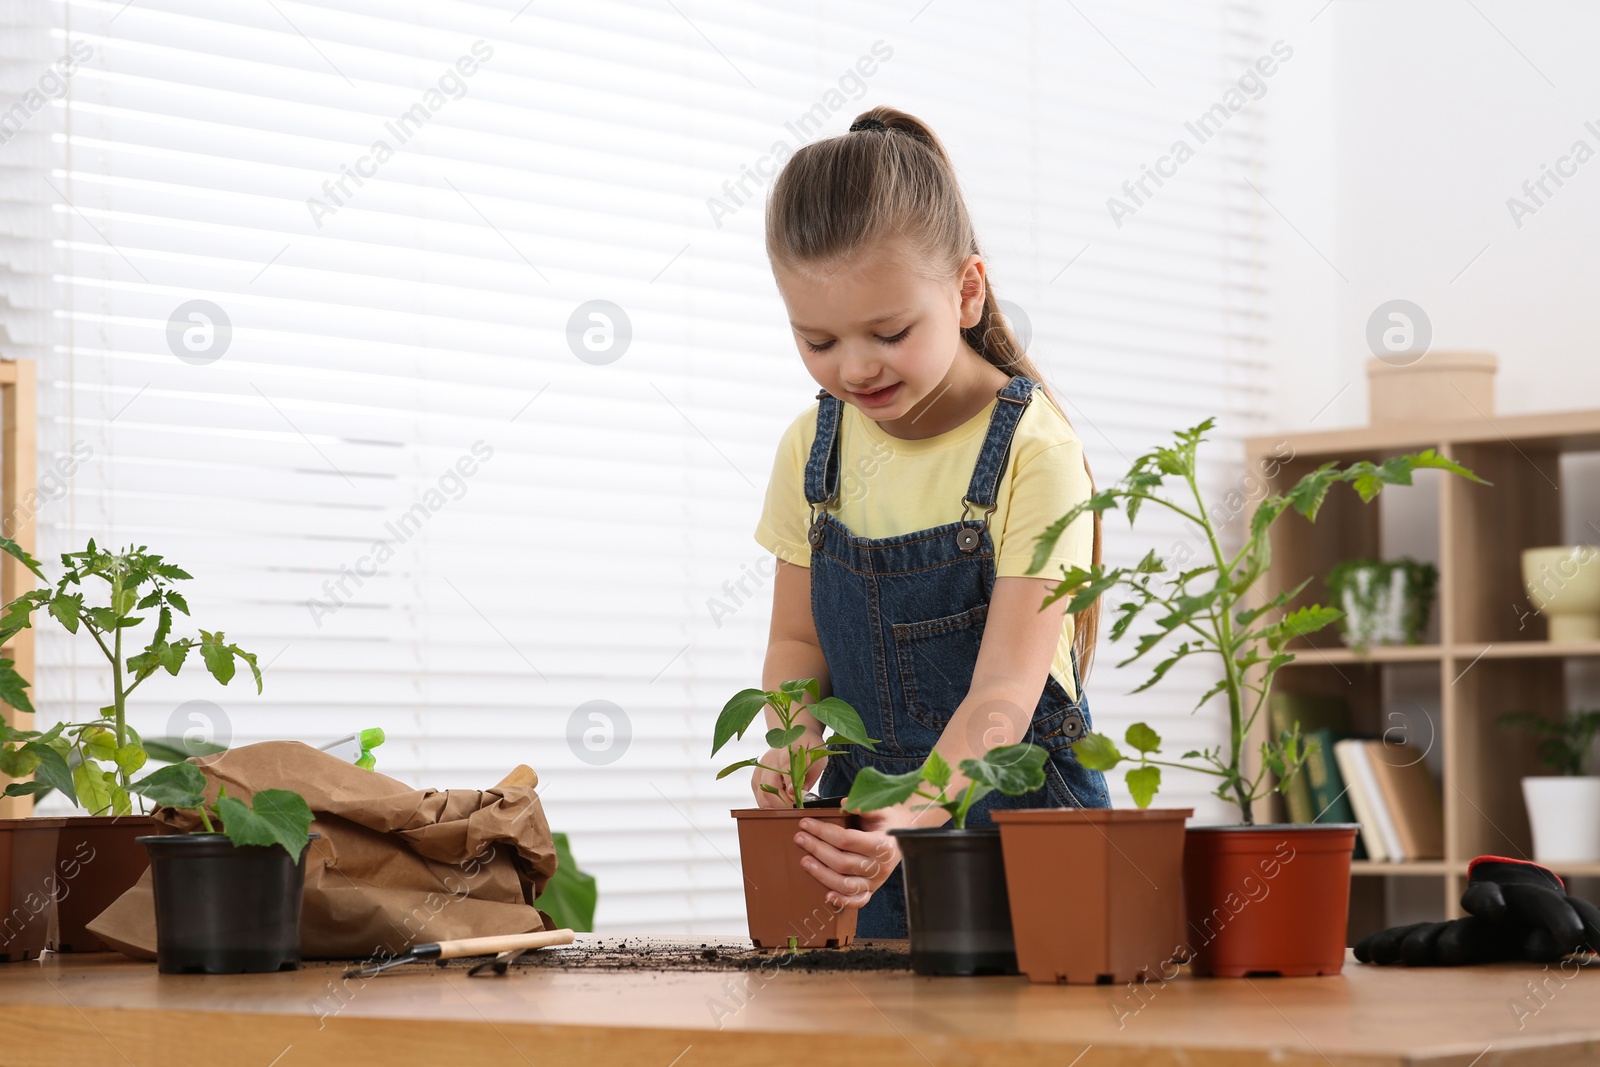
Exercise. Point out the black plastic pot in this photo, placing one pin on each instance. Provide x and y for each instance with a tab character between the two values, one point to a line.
223	908
957	912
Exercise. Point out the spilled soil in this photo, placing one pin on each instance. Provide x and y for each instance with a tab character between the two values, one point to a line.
592	953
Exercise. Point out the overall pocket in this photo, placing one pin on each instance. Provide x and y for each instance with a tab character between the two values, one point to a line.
936	659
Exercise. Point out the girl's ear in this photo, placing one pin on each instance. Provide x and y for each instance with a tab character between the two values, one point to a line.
974	286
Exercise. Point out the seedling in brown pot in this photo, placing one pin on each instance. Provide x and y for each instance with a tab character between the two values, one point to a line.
787	702
1205	605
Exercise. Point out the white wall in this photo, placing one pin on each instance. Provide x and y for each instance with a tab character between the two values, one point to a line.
1397	140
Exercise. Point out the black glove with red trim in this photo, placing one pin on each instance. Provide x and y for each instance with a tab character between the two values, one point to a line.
1516	911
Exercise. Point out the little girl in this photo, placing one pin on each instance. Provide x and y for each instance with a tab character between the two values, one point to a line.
904	505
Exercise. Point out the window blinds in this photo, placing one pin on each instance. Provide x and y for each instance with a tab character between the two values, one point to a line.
438	342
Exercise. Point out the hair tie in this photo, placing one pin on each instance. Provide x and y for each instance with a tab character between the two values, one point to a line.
867	124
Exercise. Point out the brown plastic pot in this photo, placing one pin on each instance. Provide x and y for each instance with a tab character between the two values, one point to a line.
28	885
97	860
1096	893
1267	900
781	898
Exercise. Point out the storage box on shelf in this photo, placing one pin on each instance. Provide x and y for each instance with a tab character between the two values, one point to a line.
1491	653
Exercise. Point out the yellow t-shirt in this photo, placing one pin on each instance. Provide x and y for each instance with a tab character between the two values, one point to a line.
890	486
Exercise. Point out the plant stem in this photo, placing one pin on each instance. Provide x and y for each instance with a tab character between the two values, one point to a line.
119	698
206	819
1223	623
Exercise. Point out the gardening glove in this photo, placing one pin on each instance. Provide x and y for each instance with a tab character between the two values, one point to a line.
1518	911
1533	900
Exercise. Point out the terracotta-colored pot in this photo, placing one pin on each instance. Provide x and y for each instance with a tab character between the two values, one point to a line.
1096	893
1268	900
28	885
782	899
97	860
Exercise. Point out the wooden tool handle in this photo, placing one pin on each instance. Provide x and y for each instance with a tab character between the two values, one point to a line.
483	946
521	774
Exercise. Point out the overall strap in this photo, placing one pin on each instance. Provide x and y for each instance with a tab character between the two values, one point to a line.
822	467
1010	403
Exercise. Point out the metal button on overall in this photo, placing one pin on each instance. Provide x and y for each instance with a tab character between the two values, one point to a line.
900	620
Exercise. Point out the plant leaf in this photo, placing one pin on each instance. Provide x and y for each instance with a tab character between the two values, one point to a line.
1097	752
778	737
277	817
219	660
936	771
873	789
94	793
250	661
130	757
842	719
741	765
1012	769
570	896
13	688
53	769
1143	782
182	785
65	608
737	715
1142	738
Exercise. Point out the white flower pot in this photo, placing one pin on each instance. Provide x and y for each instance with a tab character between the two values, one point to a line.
1564	815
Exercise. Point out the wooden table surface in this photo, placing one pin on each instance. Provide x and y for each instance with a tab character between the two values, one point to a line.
108	1011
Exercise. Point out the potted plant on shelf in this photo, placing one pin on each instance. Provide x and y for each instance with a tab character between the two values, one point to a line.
1564	808
227	900
1385	602
958	913
1260	899
106	595
785	904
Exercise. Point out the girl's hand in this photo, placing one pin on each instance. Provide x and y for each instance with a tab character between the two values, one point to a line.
852	864
779	779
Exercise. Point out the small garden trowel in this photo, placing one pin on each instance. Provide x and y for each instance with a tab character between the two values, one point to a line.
469	946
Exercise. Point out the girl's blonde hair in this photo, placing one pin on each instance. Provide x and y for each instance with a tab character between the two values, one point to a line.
841	195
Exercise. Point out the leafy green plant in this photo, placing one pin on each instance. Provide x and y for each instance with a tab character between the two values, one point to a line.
1204	605
1564	743
1364	589
1010	769
570	895
275	817
787	701
93	762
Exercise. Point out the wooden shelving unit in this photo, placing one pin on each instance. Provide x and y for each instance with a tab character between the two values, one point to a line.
1491	653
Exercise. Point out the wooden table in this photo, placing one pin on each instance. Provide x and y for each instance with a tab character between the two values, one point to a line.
108	1011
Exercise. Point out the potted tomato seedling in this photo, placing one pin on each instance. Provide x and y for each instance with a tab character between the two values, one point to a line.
958	914
106	596
227	896
786	906
1260	899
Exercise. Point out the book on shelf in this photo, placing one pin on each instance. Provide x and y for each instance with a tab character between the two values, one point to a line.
1351	755
1317	793
1346	754
1407	792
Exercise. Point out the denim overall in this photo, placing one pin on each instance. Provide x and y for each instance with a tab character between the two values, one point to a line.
900	620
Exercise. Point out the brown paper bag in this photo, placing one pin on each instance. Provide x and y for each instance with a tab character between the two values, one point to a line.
395	866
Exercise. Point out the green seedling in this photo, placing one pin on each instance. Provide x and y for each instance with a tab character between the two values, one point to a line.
276	817
1206	605
1009	769
93	762
786	703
